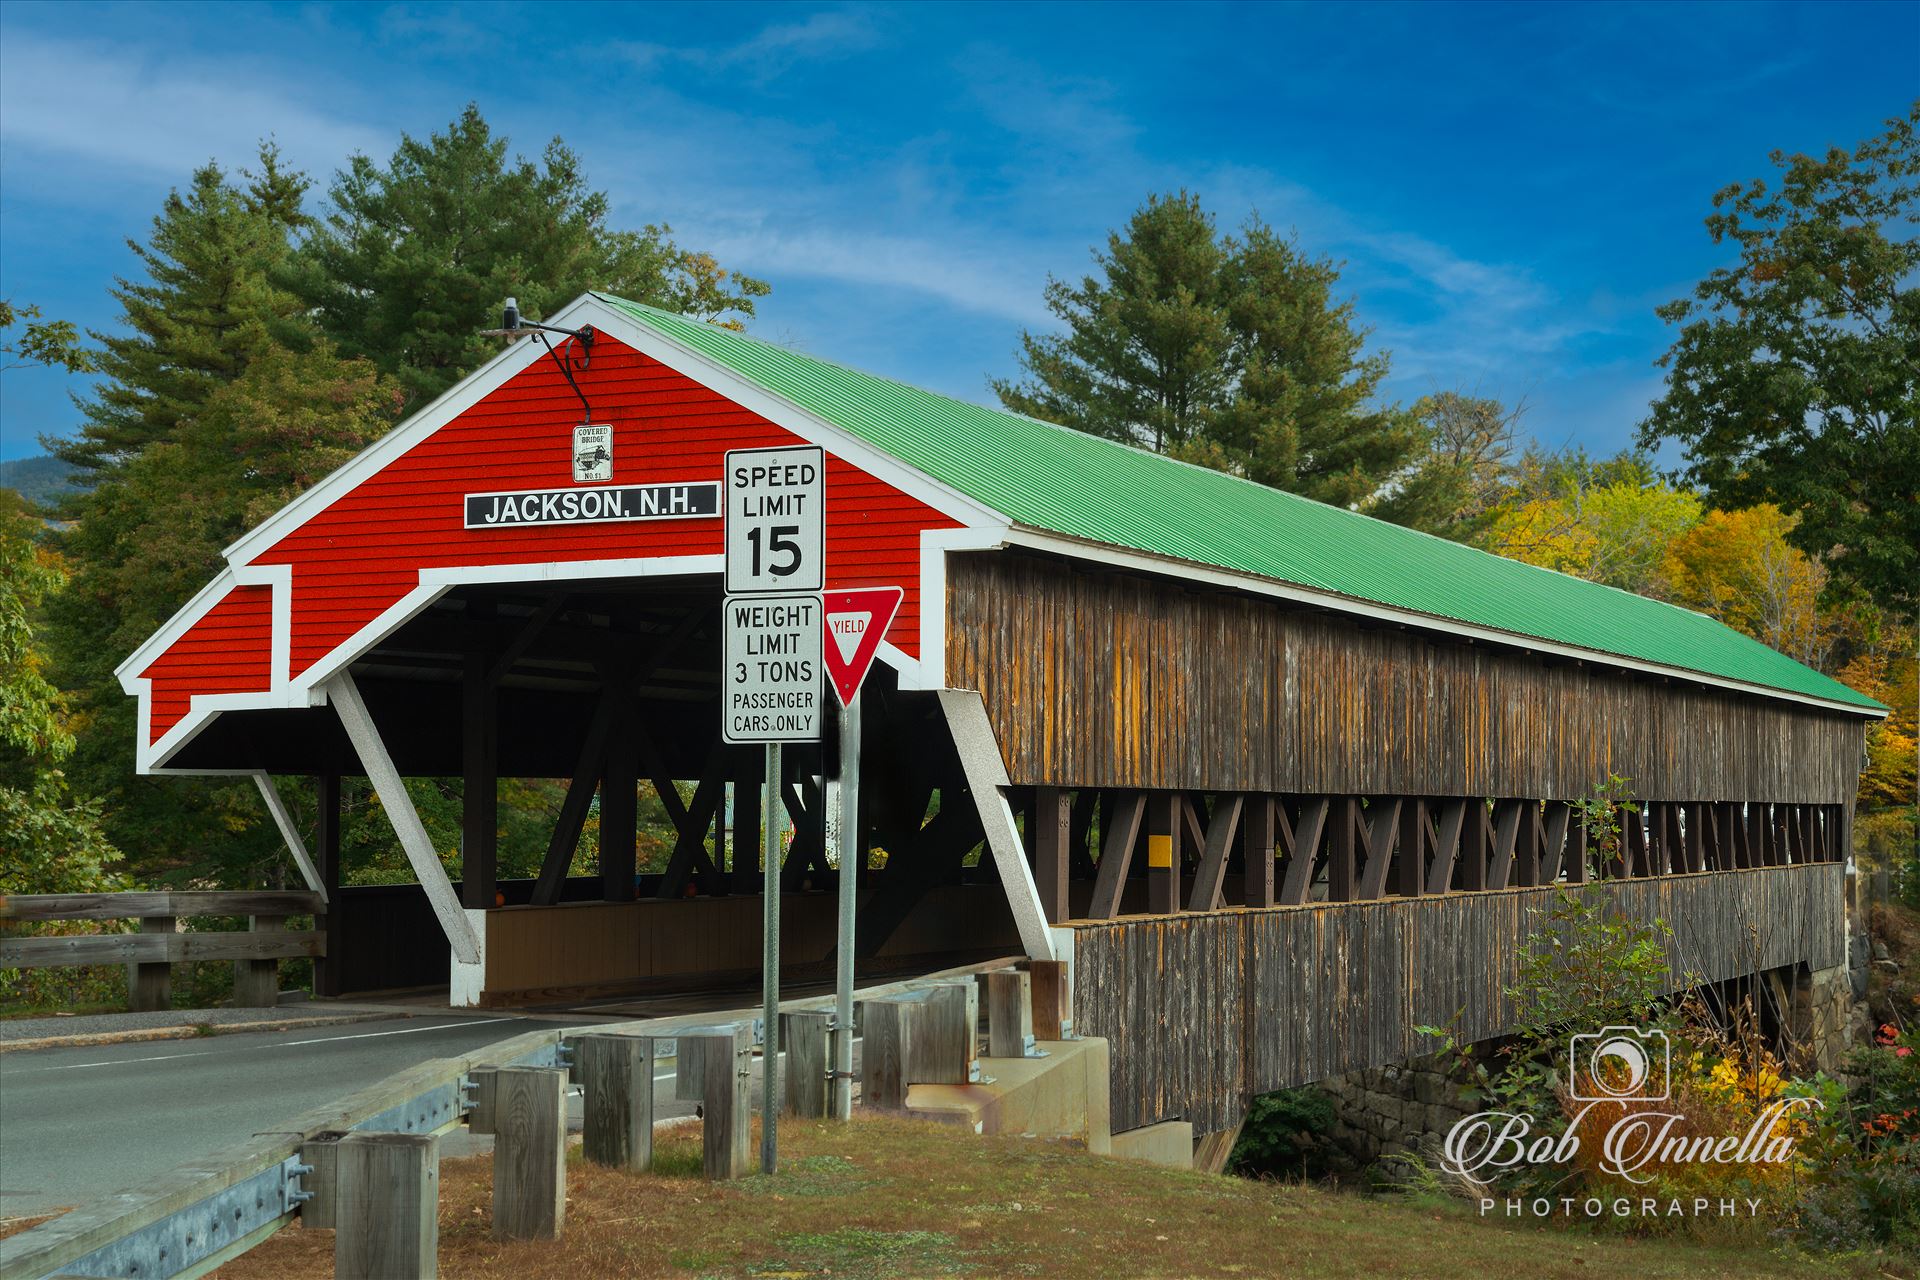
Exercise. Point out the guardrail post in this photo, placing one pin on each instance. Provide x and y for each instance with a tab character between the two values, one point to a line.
726	1060
886	1039
616	1076
150	984
1052	1009
256	983
322	1153
387	1221
1009	1014
945	1034
529	1152
807	1038
690	1066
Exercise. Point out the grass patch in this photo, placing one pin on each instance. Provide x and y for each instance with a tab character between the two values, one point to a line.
937	1201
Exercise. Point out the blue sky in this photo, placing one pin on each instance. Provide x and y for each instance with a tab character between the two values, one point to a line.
1513	189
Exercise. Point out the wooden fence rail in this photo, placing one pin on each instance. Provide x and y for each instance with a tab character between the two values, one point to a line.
151	953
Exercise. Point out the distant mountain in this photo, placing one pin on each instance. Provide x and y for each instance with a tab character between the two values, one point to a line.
39	479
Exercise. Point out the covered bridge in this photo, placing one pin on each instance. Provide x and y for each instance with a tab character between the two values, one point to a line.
1242	757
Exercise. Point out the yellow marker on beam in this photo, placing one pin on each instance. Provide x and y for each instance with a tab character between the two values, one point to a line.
1160	853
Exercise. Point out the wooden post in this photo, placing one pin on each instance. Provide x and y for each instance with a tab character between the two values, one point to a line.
1257	842
1526	846
1052	1011
332	920
1213	844
945	1038
886	1030
1475	831
150	983
1343	844
256	983
1409	876
1446	844
1553	850
1636	858
480	775
1119	823
619	801
322	1152
1315	813
529	1152
1506	835
1575	859
616	1079
387	1220
807	1038
726	1105
1163	852
1379	833
1049	837
1009	1013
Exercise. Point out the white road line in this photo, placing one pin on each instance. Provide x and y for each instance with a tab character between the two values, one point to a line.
370	1035
286	1044
114	1062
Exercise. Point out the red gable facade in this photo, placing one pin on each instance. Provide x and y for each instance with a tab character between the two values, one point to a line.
375	543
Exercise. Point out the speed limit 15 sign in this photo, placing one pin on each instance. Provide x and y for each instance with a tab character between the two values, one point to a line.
774	502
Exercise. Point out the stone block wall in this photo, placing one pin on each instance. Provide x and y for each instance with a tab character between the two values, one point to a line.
1823	1016
1392	1110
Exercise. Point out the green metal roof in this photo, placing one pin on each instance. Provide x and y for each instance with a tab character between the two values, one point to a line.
1064	481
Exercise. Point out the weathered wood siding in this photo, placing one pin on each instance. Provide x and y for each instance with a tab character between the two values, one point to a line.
1122	680
1205	1010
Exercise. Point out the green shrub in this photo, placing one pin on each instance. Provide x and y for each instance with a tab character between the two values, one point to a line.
1285	1135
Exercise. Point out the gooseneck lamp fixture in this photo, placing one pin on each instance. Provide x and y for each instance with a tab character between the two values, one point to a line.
577	352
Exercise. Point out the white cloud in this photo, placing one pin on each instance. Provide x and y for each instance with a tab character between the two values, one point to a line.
965	276
823	35
157	112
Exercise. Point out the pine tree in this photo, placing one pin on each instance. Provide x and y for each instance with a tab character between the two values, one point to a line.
1302	415
209	305
1147	354
220	403
1229	352
418	254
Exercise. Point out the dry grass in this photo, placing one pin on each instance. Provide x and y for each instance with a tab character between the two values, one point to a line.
889	1197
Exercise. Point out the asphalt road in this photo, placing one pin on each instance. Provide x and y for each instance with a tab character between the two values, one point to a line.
76	1123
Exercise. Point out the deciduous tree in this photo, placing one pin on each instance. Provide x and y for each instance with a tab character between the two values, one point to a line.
1609	521
1795	378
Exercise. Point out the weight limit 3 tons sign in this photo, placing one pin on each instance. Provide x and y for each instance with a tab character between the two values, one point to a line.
771	686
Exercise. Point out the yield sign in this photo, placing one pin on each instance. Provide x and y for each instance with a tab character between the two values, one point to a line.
857	621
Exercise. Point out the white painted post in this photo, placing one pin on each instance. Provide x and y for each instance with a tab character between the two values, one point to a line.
455	922
986	771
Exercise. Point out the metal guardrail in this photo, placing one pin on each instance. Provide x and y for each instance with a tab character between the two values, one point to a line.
199	1215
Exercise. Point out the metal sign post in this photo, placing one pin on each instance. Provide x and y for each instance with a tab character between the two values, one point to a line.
770	683
847	829
857	621
770	847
